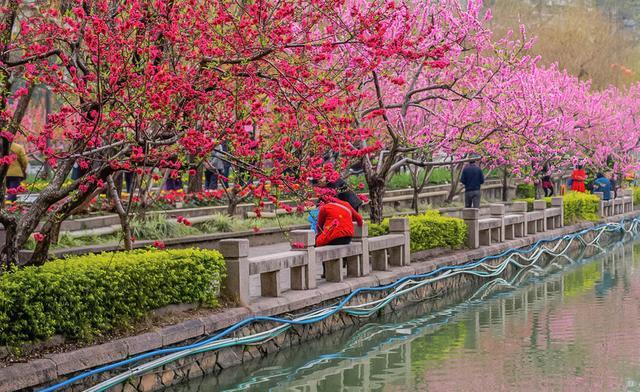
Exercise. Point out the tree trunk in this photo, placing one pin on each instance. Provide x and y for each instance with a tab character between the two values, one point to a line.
505	184
232	204
455	181
122	214
9	250
376	195
40	254
195	180
415	178
46	173
415	202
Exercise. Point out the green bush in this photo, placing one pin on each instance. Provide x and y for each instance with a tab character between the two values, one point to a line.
526	191
378	229
440	175
84	296
158	227
636	195
429	230
217	224
578	206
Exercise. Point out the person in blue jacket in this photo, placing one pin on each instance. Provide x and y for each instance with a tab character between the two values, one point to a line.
602	184
472	178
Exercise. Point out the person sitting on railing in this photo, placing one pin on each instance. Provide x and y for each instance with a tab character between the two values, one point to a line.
602	184
335	222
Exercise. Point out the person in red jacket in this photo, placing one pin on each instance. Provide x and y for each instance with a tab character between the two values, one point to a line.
579	176
335	223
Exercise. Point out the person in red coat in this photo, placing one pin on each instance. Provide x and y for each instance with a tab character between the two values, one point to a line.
579	176
335	223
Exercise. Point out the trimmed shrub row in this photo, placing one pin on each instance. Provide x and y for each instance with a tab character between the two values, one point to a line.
526	191
429	230
84	296
577	206
636	195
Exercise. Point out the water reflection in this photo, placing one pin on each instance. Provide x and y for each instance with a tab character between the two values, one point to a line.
575	329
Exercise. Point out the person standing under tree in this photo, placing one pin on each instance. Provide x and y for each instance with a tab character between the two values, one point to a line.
614	184
214	170
472	178
579	176
547	185
17	169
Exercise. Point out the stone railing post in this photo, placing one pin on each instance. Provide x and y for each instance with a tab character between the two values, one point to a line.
520	208
236	253
601	212
497	211
471	217
541	205
304	277
360	265
558	202
628	206
401	226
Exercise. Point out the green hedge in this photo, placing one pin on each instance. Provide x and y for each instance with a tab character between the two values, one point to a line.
636	196
577	207
84	296
429	230
580	206
526	191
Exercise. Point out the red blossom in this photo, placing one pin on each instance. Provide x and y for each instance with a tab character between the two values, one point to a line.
159	245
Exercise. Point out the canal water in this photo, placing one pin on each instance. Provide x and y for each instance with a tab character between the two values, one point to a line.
576	327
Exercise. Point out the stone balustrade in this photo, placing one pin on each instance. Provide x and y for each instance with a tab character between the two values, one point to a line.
516	222
554	215
365	254
616	206
627	197
340	261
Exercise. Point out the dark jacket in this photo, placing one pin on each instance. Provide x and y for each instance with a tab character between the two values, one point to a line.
602	184
472	178
345	194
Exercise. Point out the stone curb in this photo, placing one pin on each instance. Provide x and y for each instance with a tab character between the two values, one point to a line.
48	369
